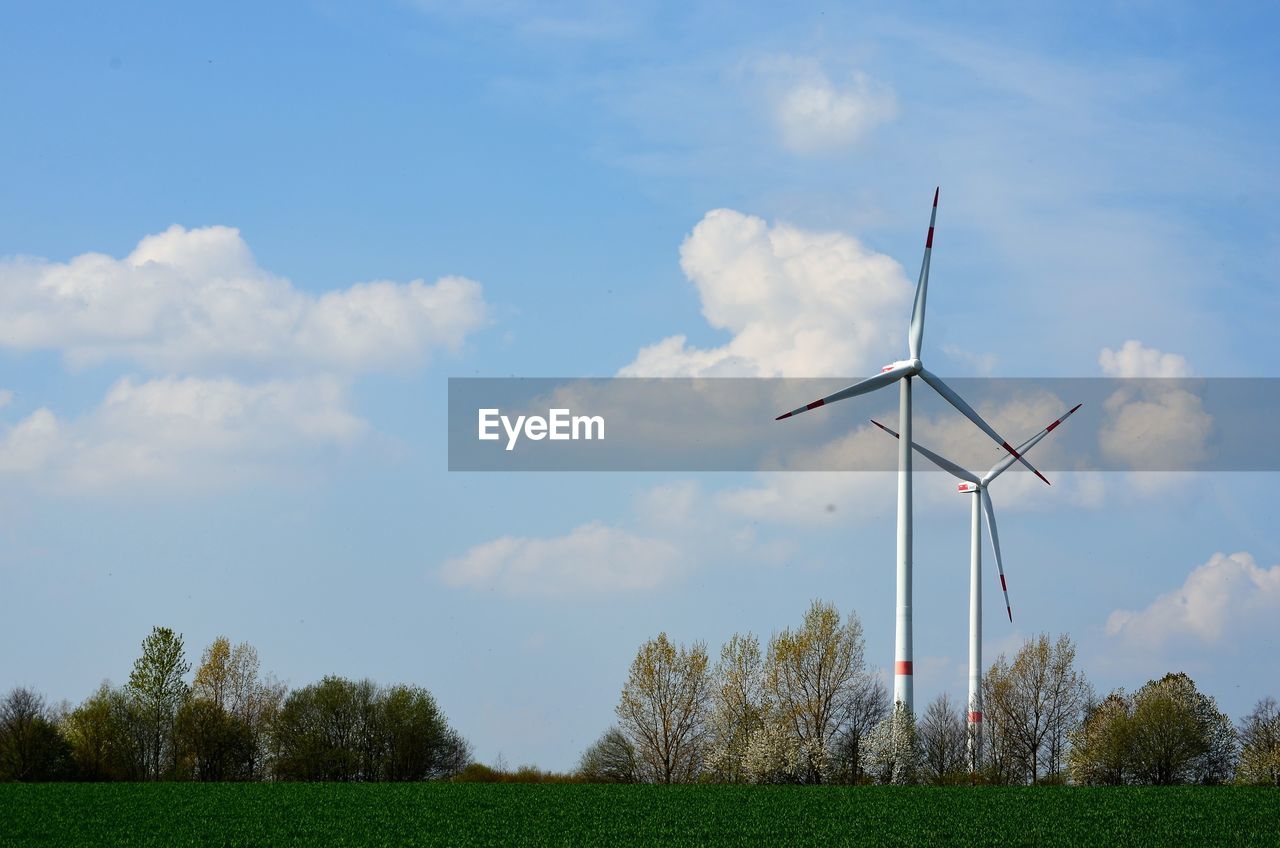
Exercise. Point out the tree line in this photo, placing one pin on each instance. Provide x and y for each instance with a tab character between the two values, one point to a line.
230	722
805	708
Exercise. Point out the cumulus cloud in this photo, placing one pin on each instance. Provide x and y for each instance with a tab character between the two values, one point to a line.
591	558
195	300
1134	359
797	303
672	529
813	114
1227	595
183	432
1152	424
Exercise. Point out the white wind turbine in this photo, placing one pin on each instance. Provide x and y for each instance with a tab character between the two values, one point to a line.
901	372
971	483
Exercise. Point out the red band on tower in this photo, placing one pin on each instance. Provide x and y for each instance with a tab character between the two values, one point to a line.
902	667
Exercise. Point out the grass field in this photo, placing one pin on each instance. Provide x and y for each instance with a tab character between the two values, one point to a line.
487	814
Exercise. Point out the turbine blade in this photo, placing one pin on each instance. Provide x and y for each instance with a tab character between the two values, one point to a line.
1000	467
969	412
995	545
916	335
938	460
870	384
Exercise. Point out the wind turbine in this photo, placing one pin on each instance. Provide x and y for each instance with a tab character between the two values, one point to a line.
901	372
971	483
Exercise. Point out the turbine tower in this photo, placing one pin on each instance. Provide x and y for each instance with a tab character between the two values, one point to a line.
971	483
901	372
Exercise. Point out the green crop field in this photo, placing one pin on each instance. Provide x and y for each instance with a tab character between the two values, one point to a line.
488	814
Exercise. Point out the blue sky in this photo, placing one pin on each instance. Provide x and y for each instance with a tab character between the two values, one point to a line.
270	463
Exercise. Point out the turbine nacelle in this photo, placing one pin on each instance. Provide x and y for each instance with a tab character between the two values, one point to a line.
969	488
907	367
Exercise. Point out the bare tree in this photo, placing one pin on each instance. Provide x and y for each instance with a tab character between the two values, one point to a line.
610	759
663	709
1032	706
943	740
31	746
738	705
229	678
1260	745
866	706
810	674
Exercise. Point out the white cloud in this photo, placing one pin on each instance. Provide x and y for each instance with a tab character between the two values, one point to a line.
1152	425
812	114
672	529
1155	429
195	300
982	364
1229	594
1134	359
6	398
591	558
797	303
181	433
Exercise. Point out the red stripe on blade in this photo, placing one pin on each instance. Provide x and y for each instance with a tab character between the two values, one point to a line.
1049	429
935	196
815	404
1002	583
1010	611
929	241
902	667
782	416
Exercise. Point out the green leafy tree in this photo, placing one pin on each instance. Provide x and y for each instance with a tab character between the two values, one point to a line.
1102	745
213	743
1179	735
346	730
107	736
419	744
156	684
317	732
